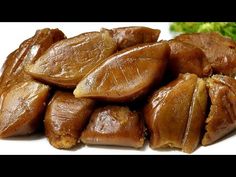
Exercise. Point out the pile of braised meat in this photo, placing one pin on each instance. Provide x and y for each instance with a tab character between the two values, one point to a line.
120	87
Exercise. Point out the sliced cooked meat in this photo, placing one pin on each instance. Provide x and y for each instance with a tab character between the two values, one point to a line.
196	119
68	61
65	118
186	58
222	117
219	50
175	113
22	99
114	125
130	36
22	107
126	75
27	53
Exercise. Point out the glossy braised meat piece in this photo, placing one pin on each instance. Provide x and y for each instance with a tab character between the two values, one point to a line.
222	117
65	119
219	50
114	125
175	113
197	117
21	108
69	60
27	53
22	99
186	58
130	36
127	74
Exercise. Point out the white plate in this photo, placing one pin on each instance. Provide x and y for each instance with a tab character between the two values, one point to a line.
12	34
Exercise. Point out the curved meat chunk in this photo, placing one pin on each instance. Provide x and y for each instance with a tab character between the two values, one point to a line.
175	113
65	119
219	50
186	58
68	61
222	117
197	117
21	108
22	99
114	125
27	53
127	74
130	36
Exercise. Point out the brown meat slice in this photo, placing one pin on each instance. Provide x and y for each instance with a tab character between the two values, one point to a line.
127	74
114	125
27	53
196	119
130	36
222	117
175	113
68	61
219	50
21	108
22	99
65	119
186	58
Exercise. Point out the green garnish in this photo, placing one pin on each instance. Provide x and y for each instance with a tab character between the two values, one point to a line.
225	28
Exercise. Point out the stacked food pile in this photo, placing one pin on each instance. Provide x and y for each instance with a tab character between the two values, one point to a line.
120	87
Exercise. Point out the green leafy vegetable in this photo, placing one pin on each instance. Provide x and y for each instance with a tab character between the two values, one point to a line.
225	28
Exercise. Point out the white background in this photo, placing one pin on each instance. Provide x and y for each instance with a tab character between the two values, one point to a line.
11	36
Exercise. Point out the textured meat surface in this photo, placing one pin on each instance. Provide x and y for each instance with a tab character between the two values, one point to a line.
114	125
21	108
27	53
69	60
127	74
129	36
196	118
22	99
65	118
222	117
186	58
174	114
219	50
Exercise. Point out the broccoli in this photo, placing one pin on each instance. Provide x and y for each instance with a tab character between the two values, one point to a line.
225	28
